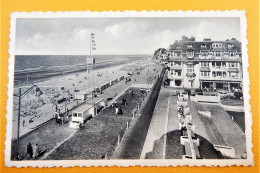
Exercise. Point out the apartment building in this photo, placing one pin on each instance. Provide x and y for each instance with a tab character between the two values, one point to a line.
205	64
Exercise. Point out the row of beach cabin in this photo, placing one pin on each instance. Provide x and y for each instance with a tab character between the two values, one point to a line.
83	94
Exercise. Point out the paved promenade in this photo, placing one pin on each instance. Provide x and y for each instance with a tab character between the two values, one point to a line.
133	142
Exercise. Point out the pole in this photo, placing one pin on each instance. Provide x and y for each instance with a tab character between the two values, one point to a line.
18	123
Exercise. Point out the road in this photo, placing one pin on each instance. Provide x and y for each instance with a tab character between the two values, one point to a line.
132	145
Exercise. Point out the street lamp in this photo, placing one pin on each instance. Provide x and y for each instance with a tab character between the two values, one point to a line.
21	95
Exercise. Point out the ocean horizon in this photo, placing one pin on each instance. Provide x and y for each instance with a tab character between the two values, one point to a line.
23	62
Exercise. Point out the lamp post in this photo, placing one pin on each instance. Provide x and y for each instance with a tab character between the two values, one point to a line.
19	112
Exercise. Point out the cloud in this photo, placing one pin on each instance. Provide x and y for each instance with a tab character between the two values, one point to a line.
116	35
129	28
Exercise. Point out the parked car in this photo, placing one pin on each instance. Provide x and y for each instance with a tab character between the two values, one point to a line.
221	91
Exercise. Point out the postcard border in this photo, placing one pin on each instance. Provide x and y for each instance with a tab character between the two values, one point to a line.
124	163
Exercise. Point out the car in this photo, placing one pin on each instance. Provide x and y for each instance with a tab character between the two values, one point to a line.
75	124
109	99
222	91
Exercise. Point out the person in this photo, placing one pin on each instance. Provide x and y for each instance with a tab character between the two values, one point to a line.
23	123
29	150
120	111
244	156
116	109
35	151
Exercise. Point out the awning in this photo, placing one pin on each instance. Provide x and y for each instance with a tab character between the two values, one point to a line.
205	69
233	70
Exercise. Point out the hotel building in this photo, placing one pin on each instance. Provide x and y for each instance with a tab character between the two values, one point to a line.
205	64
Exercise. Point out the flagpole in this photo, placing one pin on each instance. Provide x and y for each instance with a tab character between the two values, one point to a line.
90	43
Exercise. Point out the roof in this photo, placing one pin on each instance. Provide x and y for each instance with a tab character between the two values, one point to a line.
85	91
197	46
83	108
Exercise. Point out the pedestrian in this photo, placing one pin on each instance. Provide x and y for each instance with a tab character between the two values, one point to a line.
35	151
29	150
116	110
120	111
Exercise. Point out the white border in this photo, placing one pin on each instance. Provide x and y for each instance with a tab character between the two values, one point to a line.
126	163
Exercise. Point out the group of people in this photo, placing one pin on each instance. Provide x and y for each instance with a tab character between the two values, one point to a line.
32	151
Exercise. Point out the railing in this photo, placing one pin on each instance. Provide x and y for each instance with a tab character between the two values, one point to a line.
177	67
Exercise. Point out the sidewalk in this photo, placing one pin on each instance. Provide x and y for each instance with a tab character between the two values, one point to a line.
163	138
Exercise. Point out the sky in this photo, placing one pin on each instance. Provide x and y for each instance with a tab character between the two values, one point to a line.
64	36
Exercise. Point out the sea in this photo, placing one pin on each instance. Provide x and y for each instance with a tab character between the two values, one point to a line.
23	62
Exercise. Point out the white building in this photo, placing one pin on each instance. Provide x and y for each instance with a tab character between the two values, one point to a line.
205	64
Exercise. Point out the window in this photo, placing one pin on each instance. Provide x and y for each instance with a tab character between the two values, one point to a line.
190	66
218	64
205	73
190	70
213	74
178	47
204	64
233	64
224	74
213	64
217	45
171	71
233	74
217	53
232	53
190	53
230	45
219	74
223	64
189	45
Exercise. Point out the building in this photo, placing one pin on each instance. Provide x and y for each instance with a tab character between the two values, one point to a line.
205	64
160	55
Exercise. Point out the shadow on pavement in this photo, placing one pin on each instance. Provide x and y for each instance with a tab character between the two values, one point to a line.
174	149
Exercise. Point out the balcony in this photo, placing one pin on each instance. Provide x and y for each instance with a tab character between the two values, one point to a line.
226	78
174	77
191	75
234	69
176	67
205	69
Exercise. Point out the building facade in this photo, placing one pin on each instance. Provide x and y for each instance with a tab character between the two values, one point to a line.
205	64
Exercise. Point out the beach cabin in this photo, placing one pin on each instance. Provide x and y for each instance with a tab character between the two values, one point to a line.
82	95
